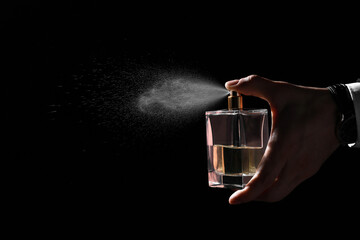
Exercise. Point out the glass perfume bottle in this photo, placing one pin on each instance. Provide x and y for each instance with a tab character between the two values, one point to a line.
236	141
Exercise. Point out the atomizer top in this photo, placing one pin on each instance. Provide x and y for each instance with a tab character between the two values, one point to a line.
233	94
234	101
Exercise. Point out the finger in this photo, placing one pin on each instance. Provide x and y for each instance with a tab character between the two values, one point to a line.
253	85
266	174
271	91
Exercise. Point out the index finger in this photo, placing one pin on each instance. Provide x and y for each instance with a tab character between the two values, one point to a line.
266	89
253	85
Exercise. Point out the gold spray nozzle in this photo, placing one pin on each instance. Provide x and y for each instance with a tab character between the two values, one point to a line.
235	101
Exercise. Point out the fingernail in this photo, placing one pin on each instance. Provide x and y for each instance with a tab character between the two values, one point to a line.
231	83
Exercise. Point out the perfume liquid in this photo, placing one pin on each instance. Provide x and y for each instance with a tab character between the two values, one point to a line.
236	161
232	166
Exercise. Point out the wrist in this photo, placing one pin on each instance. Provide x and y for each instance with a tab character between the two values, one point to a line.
332	115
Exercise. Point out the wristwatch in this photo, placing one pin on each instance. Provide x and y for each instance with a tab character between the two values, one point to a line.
346	131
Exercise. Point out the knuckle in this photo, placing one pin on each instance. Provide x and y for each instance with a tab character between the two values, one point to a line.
250	78
253	76
252	82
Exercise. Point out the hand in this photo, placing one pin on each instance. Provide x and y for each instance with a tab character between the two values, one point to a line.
301	139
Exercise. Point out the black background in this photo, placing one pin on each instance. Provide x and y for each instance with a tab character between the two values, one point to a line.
65	164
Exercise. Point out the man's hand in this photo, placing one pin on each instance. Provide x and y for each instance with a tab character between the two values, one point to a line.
302	136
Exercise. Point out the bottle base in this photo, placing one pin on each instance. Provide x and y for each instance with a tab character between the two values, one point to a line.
217	180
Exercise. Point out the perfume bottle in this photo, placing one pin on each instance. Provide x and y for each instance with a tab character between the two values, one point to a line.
236	140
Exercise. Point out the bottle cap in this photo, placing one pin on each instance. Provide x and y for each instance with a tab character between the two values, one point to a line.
235	101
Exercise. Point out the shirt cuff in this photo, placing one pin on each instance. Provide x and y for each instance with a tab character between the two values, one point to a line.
354	89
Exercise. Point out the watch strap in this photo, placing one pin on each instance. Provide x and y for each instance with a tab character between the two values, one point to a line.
346	129
342	97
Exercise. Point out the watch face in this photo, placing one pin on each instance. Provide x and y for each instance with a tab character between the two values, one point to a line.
347	132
